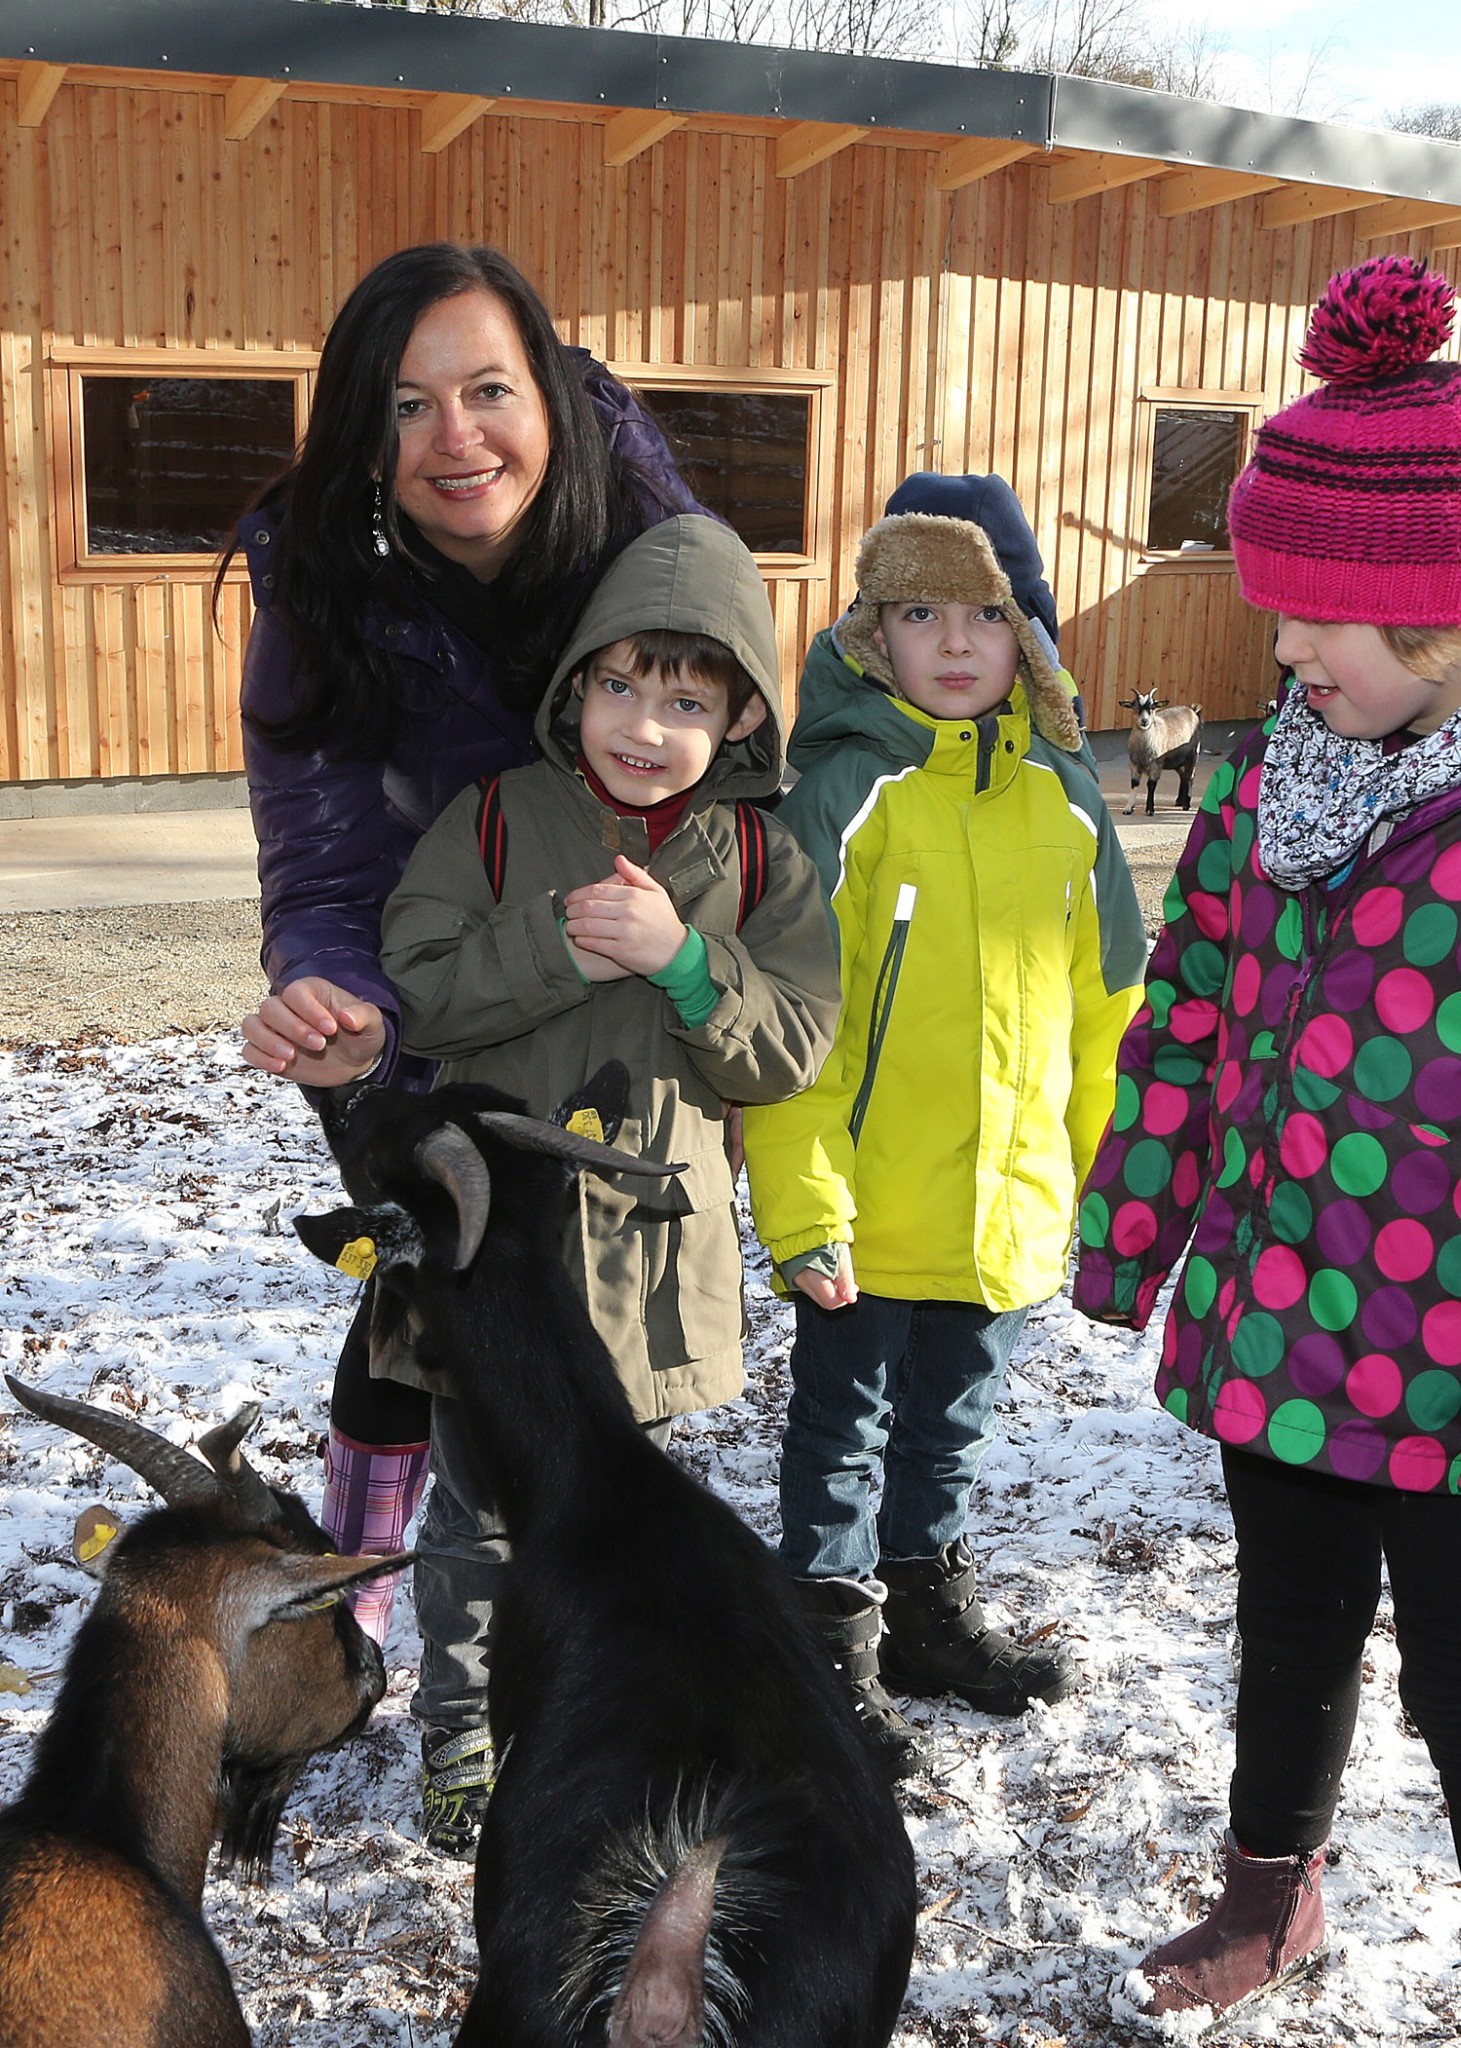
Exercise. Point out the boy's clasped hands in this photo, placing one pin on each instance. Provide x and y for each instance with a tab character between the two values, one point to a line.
616	928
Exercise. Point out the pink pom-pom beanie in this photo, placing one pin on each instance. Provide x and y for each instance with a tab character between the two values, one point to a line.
1350	509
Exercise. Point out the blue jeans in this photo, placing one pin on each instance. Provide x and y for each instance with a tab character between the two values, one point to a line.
909	1383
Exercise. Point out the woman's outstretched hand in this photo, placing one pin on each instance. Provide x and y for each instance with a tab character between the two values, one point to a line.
314	1033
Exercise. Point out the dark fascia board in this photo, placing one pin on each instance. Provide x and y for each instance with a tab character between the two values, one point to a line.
398	49
1124	121
334	42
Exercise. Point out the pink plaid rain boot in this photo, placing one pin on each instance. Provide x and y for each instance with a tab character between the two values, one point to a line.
371	1493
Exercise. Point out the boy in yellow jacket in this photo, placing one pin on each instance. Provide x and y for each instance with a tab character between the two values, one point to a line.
920	1196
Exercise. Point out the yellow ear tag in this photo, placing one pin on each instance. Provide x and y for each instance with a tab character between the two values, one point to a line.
357	1259
586	1123
94	1531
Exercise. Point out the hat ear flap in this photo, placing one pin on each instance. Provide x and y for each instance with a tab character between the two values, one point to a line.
857	635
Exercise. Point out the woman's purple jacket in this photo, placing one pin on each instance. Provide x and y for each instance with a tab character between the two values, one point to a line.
334	832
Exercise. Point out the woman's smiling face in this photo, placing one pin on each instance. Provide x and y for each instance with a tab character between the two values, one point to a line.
473	431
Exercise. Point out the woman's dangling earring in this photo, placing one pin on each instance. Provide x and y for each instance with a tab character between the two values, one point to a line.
379	537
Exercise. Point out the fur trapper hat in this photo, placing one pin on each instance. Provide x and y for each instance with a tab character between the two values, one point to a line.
989	502
917	555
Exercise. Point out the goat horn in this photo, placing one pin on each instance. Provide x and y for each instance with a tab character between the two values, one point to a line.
252	1496
450	1158
534	1136
173	1472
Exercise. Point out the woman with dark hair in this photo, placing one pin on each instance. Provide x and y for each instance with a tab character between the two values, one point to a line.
464	479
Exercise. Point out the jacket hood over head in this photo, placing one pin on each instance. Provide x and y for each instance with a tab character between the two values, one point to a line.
923	555
689	574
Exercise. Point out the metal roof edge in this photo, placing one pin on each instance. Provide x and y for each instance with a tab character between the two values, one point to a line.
337	42
1126	120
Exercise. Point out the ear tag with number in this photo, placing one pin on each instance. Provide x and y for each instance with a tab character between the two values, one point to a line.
357	1259
586	1123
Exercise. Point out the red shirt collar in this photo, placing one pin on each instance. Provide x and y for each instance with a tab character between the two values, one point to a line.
660	819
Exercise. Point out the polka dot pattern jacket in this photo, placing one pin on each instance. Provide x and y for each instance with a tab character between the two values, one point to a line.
1289	1099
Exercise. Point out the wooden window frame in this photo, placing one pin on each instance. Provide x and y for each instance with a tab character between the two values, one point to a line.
66	364
1172	397
814	385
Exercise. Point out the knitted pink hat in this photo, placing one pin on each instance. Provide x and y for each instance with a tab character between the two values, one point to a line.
1351	506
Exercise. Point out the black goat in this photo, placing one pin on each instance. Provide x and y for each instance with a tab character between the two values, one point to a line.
689	1840
1162	736
204	1677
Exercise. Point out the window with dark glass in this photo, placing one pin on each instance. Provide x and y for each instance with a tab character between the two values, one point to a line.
745	455
171	461
1196	454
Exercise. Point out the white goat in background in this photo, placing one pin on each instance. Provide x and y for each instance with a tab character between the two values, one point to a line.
1162	736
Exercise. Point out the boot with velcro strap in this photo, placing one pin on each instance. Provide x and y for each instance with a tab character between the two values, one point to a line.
846	1616
939	1641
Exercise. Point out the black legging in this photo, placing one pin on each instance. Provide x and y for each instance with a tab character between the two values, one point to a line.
1309	1553
374	1411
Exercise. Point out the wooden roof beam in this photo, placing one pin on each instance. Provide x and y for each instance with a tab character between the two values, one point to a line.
36	87
445	115
1294	204
1094	172
1192	191
1445	234
246	103
635	130
812	142
964	162
1404	217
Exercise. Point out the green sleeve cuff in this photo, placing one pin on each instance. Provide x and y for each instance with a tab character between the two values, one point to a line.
563	934
823	1259
686	981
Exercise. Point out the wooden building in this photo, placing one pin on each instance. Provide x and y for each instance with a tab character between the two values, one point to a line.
825	271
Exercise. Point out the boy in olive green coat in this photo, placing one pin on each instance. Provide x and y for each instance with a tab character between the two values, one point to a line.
643	911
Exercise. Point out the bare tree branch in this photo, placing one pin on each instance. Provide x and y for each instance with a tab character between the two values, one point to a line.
1440	119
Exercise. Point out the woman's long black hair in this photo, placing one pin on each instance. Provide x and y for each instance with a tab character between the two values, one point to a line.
325	567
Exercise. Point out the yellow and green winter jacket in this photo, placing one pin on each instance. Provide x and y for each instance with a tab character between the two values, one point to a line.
992	954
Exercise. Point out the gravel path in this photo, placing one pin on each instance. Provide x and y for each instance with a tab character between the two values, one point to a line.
129	974
132	974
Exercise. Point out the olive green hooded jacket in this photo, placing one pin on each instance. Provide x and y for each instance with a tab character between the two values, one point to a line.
489	988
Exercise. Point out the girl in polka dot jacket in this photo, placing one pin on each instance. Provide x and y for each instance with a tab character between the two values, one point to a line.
1289	1099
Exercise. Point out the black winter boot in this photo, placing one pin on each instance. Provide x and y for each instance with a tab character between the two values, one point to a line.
939	1641
845	1614
457	1771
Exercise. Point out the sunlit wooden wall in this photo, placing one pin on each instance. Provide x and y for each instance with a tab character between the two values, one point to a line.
974	330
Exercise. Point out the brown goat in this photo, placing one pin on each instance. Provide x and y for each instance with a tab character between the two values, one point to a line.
203	1678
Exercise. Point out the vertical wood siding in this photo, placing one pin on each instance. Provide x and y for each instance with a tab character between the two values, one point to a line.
980	330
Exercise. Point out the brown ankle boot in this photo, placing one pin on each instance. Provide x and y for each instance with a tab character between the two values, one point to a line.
1265	1930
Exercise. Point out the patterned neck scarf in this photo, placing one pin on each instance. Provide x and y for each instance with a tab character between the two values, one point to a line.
1322	795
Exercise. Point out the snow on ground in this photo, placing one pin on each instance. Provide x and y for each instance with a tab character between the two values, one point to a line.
147	1260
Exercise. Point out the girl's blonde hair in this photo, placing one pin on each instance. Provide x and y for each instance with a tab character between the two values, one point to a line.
1429	651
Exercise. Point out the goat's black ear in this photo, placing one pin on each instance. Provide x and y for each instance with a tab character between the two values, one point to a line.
604	1096
356	1241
